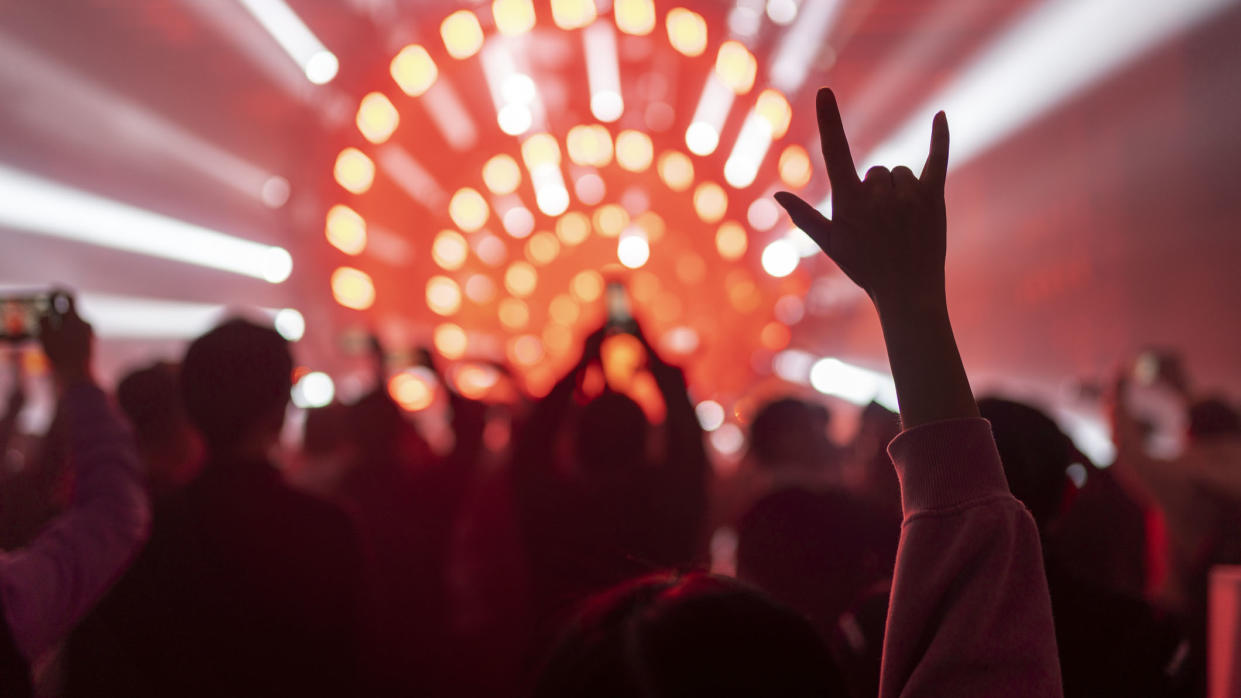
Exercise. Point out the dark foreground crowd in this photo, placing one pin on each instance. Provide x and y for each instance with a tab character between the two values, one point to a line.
946	552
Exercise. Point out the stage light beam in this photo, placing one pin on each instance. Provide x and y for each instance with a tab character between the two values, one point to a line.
319	64
42	207
603	72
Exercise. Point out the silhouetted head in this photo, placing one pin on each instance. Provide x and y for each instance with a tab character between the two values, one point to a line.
815	551
151	400
791	432
235	383
611	434
327	430
692	635
150	397
1035	453
1212	417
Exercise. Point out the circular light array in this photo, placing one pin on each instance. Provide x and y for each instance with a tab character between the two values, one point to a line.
531	213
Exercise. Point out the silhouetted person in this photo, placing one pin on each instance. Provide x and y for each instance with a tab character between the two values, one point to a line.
405	501
611	512
247	587
170	448
817	550
875	479
1109	643
692	635
789	443
49	584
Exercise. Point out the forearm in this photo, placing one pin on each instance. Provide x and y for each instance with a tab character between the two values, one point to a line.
931	384
49	585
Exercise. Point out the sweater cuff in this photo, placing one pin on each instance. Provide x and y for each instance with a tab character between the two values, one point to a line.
947	463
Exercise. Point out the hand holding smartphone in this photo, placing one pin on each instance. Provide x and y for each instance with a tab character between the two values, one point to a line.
22	314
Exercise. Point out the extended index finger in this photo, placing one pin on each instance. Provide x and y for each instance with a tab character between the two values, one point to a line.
840	169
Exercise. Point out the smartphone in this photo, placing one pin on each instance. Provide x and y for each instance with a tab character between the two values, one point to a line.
20	314
620	313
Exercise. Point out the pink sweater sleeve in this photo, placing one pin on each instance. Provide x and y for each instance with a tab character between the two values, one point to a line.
970	614
49	585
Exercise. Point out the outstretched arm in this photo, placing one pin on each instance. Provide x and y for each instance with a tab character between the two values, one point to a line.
685	454
50	584
970	613
534	452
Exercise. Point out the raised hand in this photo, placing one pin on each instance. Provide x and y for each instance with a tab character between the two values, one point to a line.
68	342
887	230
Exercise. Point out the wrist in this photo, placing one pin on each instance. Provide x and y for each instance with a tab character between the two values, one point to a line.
911	303
71	377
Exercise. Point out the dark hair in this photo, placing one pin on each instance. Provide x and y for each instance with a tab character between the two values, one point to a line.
791	431
1213	416
687	635
611	433
233	378
1035	454
151	401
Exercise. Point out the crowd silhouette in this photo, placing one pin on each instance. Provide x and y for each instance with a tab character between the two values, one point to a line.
161	550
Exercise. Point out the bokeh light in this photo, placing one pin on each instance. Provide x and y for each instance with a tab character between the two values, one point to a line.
513	16
573	14
468	209
450	250
514	314
634	150
490	249
540	149
542	248
412	390
353	288
710	202
774	109
315	389
780	258
462	35
710	415
587	285
731	241
450	340
633	251
345	229
354	171
775	336
479	288
676	170
610	220
525	350
687	31
518	221
736	66
501	174
589	144
377	118
795	169
763	214
520	279
701	138
443	295
635	17
413	70
590	188
573	228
